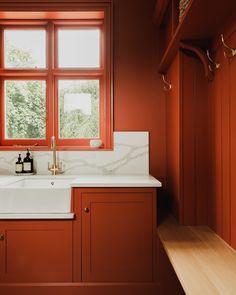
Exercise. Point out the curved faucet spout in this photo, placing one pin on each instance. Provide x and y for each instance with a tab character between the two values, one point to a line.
53	141
55	168
54	150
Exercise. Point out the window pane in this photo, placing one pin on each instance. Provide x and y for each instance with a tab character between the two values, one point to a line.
25	109
79	109
79	48
25	49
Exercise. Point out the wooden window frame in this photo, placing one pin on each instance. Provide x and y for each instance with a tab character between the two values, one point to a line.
51	74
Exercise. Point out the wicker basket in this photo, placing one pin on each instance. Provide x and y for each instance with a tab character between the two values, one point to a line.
183	4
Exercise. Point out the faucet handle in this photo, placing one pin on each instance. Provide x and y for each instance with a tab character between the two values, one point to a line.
60	167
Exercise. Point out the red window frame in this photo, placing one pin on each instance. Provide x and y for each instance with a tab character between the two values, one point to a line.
52	73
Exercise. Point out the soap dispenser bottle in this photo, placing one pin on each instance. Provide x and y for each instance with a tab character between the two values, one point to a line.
28	163
19	165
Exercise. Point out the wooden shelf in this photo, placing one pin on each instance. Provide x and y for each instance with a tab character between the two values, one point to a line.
202	20
200	258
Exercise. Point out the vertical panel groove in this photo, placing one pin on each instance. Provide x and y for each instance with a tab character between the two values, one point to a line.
223	107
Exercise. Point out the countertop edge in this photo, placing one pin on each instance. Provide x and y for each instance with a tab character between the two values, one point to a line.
37	216
115	185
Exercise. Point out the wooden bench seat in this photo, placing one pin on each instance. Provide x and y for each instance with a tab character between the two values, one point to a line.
203	262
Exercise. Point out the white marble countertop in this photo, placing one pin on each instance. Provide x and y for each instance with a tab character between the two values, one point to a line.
93	180
116	181
4	179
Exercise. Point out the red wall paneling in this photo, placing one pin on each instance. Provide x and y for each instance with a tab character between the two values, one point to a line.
187	139
222	202
173	136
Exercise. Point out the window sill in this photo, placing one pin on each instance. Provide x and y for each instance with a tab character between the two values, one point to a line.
59	148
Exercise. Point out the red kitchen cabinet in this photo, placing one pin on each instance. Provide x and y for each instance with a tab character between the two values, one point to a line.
117	229
108	248
35	251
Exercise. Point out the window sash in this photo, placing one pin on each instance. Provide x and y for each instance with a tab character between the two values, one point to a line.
8	141
20	28
78	27
78	141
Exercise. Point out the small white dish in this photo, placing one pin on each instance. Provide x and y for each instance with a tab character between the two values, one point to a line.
95	143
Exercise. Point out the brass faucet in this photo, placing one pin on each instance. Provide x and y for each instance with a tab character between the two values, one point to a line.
55	168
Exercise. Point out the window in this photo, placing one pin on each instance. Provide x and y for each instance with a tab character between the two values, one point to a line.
79	48
24	48
55	80
78	109
25	109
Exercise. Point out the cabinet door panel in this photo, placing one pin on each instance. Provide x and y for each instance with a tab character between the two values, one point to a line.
117	232
36	251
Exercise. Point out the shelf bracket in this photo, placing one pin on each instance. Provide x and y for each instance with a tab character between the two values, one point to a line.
202	56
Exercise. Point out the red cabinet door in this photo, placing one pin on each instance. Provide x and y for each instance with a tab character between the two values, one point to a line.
117	235
36	251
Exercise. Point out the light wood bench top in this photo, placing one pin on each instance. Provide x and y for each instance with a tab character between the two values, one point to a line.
203	262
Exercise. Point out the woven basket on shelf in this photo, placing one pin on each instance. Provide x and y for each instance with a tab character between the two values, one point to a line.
183	4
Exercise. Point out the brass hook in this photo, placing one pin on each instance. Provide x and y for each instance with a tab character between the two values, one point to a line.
212	62
167	86
230	51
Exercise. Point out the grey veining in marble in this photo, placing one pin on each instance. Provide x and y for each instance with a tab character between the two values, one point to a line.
130	156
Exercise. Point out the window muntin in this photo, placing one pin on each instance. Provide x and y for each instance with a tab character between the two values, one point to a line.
51	74
25	109
78	109
24	49
79	48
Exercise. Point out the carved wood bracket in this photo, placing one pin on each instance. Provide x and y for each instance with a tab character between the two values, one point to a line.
202	56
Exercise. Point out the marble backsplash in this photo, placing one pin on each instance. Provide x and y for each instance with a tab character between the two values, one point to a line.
130	156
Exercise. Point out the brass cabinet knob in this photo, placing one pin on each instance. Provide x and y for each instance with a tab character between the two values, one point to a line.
86	210
1	237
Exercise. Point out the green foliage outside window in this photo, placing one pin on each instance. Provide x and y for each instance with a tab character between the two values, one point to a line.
76	124
26	106
25	109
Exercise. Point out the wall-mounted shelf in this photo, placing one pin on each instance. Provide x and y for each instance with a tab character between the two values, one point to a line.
201	21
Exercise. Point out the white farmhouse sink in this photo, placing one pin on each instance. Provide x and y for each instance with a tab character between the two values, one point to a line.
36	195
42	183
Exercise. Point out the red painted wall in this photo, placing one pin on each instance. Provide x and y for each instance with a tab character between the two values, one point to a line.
139	102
